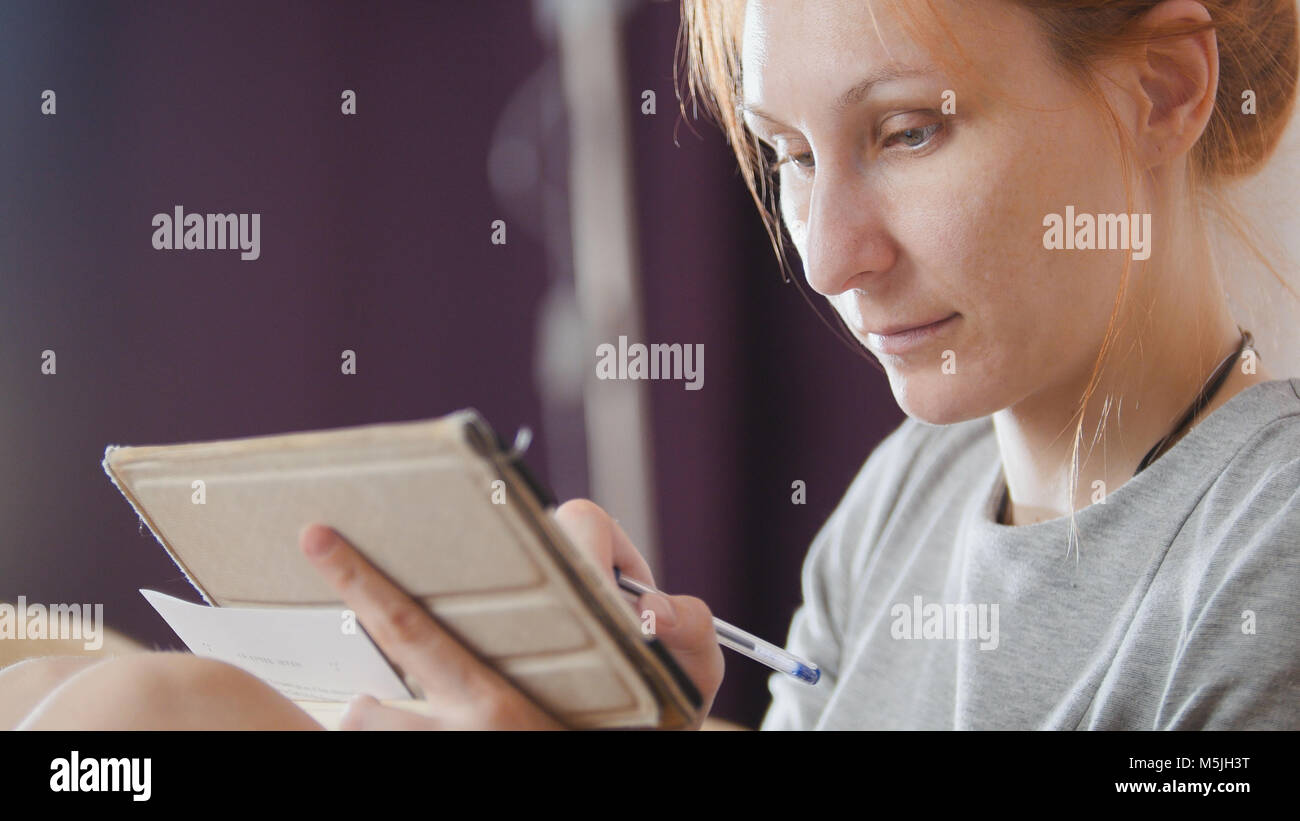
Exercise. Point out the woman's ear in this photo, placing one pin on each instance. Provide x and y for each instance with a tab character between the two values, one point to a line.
1175	82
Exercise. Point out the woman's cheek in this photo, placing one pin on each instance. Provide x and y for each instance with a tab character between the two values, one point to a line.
793	214
997	238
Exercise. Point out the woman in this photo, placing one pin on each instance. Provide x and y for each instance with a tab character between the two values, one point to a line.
1089	519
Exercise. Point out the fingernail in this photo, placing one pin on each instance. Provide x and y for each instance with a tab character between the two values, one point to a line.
316	541
665	615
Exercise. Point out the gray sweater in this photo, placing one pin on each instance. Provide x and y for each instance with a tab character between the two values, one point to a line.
1179	611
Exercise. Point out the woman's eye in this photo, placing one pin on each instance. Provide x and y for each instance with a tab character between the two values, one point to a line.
804	159
908	138
913	137
800	159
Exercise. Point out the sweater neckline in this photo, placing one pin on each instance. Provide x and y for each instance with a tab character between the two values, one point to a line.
1216	437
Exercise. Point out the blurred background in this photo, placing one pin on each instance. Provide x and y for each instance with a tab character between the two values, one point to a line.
376	237
557	118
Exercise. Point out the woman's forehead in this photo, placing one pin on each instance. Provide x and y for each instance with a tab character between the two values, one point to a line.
782	34
791	49
786	44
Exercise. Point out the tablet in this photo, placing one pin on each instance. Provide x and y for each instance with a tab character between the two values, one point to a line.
445	510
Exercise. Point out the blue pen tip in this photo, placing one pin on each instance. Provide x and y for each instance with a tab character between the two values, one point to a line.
808	674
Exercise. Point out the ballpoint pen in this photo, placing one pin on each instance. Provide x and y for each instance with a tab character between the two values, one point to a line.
740	641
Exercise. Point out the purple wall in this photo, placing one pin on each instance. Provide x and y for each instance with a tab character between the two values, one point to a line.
375	237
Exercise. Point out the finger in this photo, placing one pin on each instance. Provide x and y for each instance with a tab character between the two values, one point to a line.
403	630
601	538
685	626
688	628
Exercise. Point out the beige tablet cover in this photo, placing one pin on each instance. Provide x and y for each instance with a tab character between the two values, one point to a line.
423	502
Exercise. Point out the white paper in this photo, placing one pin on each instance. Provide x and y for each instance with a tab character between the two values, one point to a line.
308	654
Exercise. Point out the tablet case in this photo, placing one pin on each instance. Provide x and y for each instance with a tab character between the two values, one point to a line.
447	512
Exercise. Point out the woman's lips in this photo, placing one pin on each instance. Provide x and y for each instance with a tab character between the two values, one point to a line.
900	339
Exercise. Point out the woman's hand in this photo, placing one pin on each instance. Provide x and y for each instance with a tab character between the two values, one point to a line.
683	623
463	692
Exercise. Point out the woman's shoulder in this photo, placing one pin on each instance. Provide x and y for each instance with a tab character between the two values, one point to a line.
1238	538
1226	588
1260	435
918	451
1256	492
918	465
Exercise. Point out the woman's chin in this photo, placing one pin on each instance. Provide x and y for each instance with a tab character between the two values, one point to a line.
938	398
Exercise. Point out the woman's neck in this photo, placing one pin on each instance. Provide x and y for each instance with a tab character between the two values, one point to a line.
1145	388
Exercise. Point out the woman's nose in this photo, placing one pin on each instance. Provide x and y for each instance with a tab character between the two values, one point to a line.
847	243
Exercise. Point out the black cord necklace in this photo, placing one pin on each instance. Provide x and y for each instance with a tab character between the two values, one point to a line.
1203	398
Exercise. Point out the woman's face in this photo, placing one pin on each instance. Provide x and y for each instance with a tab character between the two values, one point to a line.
903	214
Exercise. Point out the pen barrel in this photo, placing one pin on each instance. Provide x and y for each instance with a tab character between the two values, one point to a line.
754	647
746	644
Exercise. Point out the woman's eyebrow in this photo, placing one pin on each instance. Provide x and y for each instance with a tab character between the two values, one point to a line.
885	74
859	90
